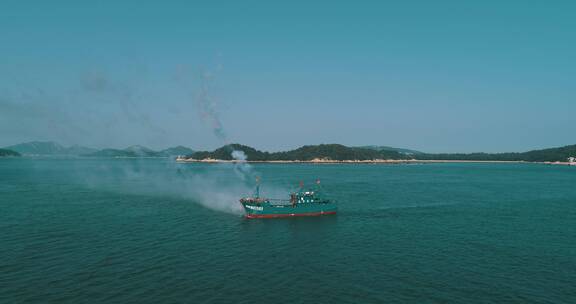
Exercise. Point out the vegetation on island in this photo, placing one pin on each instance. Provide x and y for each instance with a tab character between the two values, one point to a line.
545	155
333	152
6	153
305	153
338	152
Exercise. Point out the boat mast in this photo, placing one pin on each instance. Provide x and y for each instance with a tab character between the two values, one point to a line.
257	191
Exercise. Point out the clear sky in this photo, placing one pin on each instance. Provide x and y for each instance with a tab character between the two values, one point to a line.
436	76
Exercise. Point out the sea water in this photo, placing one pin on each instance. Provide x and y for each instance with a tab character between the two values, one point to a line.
153	231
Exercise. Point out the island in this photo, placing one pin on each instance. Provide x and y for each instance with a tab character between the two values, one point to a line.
336	153
8	153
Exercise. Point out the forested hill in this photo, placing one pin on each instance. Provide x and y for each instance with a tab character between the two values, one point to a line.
338	152
6	152
551	155
305	153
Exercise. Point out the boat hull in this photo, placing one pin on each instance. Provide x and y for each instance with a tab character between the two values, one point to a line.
289	214
279	211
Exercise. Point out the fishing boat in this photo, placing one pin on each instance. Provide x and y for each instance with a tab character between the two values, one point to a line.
301	203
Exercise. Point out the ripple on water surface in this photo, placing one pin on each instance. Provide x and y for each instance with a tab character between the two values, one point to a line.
118	231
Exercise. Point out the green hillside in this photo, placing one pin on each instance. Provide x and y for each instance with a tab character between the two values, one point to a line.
6	153
225	153
341	152
551	154
305	153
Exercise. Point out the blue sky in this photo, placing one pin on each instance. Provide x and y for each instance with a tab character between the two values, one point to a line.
437	76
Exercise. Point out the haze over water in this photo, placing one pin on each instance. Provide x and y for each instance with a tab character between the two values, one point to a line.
434	233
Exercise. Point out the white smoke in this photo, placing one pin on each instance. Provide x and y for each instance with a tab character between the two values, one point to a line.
241	167
239	155
208	110
207	105
213	189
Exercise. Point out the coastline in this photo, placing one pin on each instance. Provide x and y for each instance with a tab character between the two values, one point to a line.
313	161
375	161
558	163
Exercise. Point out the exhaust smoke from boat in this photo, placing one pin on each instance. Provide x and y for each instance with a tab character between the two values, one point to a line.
207	105
213	189
217	188
242	168
208	109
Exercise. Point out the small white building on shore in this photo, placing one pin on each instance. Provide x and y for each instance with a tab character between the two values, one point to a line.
572	160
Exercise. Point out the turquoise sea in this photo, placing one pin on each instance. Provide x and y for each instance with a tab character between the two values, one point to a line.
153	231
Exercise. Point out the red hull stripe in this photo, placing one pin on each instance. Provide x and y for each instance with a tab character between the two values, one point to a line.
288	214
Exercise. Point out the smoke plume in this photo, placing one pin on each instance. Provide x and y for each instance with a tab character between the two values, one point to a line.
208	109
216	189
207	106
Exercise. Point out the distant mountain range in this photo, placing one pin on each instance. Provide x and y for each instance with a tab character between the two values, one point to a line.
42	148
140	151
325	151
132	151
386	148
178	150
48	148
